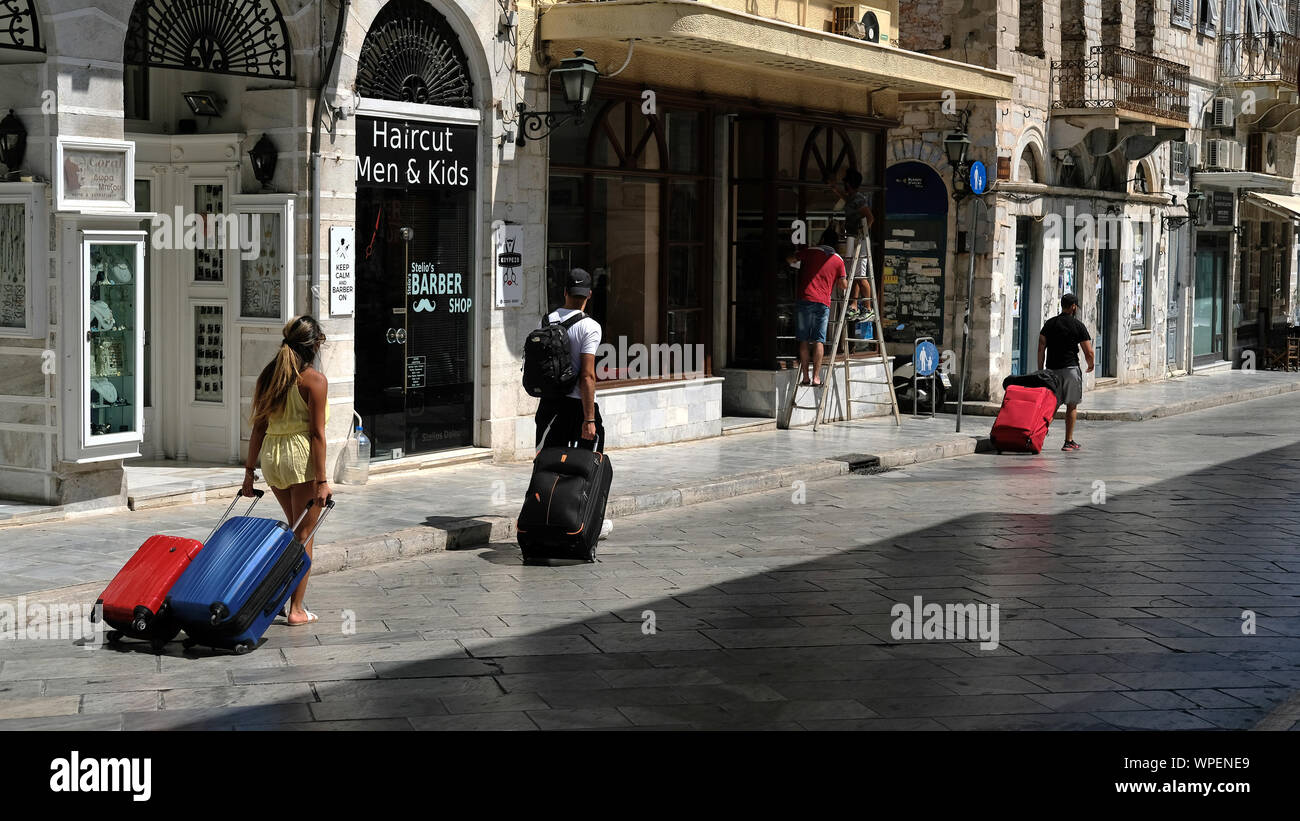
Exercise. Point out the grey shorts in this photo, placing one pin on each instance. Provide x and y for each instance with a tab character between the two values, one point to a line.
1071	384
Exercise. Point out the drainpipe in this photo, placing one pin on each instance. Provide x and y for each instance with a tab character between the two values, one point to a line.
313	167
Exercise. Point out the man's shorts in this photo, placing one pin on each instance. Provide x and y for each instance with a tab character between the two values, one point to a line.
857	270
810	321
1071	379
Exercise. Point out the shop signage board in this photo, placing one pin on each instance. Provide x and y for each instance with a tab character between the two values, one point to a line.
915	240
342	270
94	174
1222	209
397	153
509	261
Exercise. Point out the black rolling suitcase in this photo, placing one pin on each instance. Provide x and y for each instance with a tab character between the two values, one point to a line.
565	506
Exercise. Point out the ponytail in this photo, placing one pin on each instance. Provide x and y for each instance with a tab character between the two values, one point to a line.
297	350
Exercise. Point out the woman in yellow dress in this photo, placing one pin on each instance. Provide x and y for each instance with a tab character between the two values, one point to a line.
289	414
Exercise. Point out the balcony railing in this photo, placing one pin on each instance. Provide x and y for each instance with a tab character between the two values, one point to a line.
1124	80
1269	57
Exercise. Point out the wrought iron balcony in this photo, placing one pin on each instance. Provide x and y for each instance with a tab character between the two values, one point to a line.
1273	57
1122	80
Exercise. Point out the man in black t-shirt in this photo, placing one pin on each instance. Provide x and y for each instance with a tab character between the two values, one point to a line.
1059	343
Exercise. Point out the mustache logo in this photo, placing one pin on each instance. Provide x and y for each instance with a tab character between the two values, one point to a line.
425	305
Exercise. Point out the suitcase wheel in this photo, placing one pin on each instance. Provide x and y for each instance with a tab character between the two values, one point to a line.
140	625
243	647
113	636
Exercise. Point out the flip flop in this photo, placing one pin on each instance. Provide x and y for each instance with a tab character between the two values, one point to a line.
311	618
817	384
805	382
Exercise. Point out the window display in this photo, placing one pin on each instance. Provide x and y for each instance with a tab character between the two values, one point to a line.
111	332
210	260
261	279
13	265
209	344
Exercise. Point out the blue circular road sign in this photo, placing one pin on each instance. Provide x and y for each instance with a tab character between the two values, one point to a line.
926	358
979	177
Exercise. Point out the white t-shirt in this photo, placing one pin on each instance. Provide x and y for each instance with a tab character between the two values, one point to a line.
584	337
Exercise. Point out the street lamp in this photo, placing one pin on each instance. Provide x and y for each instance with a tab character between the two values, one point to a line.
1195	199
577	76
956	145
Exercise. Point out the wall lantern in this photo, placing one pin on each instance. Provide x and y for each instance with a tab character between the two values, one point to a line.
1195	199
955	145
577	76
263	156
13	142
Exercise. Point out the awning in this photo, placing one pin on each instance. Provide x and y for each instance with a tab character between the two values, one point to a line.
1280	204
704	47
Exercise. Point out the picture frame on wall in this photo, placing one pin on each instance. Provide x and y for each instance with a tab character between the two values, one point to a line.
94	174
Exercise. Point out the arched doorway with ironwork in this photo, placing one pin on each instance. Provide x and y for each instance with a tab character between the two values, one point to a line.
207	87
418	174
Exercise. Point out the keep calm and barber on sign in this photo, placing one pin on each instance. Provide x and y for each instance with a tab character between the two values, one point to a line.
395	153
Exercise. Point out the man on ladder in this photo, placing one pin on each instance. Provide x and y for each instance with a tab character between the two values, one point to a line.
857	223
820	268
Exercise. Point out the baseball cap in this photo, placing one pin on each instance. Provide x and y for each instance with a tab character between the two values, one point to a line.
579	283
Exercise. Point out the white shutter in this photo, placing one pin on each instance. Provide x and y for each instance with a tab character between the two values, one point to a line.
1232	15
1210	22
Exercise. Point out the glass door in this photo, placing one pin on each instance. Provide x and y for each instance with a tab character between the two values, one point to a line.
1020	356
1207	308
415	297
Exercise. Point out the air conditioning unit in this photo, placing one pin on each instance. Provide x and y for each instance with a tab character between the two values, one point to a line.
1261	153
1223	114
1223	155
862	23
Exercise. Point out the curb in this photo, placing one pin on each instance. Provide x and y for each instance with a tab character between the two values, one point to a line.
483	530
1152	412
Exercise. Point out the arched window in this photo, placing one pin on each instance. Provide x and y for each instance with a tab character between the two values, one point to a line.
20	26
247	38
412	55
1027	168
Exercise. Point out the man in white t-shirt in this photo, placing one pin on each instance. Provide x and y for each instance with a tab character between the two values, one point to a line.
575	416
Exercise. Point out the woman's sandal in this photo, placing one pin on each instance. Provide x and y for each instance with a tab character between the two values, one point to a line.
311	618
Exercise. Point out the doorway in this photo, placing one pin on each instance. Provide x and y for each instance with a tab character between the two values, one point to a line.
414	326
1105	334
1208	302
1020	355
191	371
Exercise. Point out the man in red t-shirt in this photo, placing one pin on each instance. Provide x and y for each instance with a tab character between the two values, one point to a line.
819	268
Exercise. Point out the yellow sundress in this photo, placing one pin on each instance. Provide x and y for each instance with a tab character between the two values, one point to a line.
286	450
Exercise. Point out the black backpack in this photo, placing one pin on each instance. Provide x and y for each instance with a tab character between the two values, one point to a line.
548	361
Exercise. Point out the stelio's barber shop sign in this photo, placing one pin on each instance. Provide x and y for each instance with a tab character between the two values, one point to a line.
394	153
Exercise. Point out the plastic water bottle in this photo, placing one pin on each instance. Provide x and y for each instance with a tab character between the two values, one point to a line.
355	463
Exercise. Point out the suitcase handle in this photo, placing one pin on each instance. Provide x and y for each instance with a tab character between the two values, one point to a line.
595	443
329	505
257	497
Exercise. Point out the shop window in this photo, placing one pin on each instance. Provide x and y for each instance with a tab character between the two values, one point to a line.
629	203
782	171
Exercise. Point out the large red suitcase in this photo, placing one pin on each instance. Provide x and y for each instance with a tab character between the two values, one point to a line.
134	601
1022	422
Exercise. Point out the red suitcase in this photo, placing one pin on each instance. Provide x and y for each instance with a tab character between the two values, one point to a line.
133	603
1022	422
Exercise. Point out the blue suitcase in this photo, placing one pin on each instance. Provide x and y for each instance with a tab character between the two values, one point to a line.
235	587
